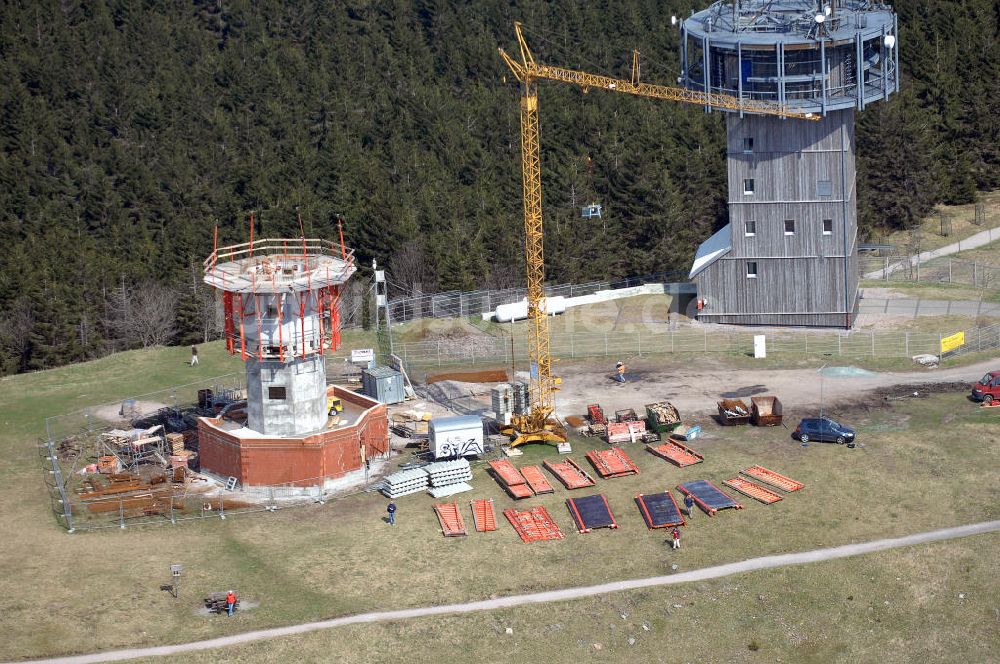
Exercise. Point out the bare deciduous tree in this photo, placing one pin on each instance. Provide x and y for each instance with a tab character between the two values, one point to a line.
142	315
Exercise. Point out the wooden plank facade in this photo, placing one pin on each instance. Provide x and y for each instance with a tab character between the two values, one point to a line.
793	225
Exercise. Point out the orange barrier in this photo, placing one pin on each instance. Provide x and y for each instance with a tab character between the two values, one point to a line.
773	478
450	519
755	491
676	453
483	516
570	474
536	480
533	525
612	463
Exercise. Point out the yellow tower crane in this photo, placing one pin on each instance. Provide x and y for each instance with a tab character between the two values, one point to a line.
538	425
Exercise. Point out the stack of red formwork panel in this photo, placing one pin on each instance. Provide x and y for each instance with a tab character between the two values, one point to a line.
612	463
570	474
510	479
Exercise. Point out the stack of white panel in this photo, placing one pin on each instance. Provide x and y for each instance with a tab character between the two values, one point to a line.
443	473
405	482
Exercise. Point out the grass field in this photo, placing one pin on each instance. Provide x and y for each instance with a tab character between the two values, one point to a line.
894	607
76	593
962	226
933	291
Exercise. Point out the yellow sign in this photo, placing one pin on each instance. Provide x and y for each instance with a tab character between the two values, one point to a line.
953	342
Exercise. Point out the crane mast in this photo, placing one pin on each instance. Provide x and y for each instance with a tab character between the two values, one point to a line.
537	425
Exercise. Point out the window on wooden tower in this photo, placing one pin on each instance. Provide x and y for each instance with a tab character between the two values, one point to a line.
750	228
748	143
748	186
751	269
789	227
824	188
828	227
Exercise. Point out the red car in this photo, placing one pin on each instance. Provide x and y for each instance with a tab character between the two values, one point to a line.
988	388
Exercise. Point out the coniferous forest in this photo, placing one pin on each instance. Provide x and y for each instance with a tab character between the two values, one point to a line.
130	129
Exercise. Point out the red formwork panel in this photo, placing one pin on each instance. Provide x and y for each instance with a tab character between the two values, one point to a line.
483	515
536	480
676	453
533	525
612	462
451	520
755	491
570	474
773	478
510	479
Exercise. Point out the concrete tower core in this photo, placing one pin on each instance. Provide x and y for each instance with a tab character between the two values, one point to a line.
789	253
281	311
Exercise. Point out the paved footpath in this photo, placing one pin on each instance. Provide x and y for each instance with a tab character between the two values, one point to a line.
980	239
715	572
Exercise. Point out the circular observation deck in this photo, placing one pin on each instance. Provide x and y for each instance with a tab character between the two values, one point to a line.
279	266
811	56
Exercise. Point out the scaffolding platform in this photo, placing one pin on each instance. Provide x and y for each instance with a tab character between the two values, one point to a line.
773	478
534	525
708	497
753	490
591	512
537	480
612	462
512	481
659	510
570	474
483	515
452	524
676	453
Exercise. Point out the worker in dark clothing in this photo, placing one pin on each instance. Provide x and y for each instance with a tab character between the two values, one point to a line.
194	355
620	368
391	509
230	602
689	505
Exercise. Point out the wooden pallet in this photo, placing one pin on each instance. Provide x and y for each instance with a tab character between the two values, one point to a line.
536	480
773	478
570	474
452	524
483	515
612	463
755	491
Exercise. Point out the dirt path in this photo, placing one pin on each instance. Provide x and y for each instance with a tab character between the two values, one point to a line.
697	389
978	240
765	562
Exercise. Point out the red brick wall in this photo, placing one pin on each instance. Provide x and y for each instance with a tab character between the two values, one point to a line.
263	461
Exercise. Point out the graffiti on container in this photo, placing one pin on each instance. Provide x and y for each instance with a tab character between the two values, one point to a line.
460	447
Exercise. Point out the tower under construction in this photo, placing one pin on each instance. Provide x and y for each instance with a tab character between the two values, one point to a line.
788	255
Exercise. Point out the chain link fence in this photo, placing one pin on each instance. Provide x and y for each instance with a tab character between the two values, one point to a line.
487	349
465	304
153	493
943	270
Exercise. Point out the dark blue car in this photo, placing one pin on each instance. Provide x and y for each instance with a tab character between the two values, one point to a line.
823	429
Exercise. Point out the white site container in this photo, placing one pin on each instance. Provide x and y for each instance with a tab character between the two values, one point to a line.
456	436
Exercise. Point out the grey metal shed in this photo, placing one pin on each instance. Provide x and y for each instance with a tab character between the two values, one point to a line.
383	383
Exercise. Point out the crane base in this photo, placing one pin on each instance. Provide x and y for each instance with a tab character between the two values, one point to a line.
552	434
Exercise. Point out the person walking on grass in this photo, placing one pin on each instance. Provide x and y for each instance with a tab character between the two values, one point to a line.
391	509
194	354
230	602
677	538
689	505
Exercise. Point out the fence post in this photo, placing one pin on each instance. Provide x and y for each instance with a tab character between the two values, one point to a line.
605	344
439	351
572	345
706	341
906	342
638	342
918	269
672	335
949	270
975	275
873	343
840	337
885	271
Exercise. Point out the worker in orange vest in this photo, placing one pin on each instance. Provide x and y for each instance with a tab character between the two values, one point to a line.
230	602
